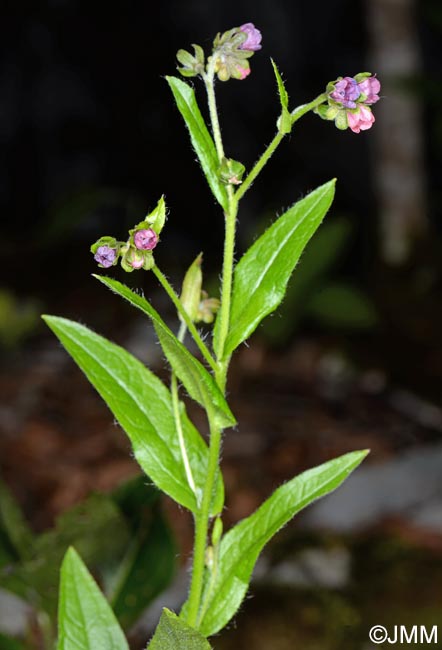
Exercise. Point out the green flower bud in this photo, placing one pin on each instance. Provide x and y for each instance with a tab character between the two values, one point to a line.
193	65
191	291
207	309
217	531
231	171
134	259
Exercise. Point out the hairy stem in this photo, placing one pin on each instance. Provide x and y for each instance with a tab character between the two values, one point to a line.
263	160
178	423
202	526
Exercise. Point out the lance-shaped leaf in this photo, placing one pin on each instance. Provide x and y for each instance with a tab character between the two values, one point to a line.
173	634
85	619
200	137
285	120
262	274
198	382
241	546
143	407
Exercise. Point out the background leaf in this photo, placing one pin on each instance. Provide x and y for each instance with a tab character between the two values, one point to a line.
241	546
323	252
15	533
142	405
149	562
343	306
201	139
262	274
85	619
96	527
198	382
173	634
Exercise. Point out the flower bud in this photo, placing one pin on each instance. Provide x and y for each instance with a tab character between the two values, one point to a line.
369	87
360	120
192	66
207	309
253	40
231	171
232	49
105	256
106	251
191	291
134	259
346	92
145	239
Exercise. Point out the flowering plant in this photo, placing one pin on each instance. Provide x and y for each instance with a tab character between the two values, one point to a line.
169	449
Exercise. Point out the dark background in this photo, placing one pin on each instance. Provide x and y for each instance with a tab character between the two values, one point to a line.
90	137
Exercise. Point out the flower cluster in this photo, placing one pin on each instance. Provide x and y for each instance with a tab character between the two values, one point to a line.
349	100
136	252
229	59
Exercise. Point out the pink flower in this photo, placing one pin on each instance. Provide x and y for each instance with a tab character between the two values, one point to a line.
361	120
145	239
370	87
254	37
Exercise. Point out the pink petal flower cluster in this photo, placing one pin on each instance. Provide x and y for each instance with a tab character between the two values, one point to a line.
349	101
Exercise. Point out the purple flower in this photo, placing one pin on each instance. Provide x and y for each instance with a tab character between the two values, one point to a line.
145	239
370	87
346	92
105	256
253	40
362	120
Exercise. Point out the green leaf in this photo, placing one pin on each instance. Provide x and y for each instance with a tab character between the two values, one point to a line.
285	120
85	619
9	643
198	382
241	546
322	253
149	562
173	634
262	274
13	525
283	95
143	407
342	306
201	139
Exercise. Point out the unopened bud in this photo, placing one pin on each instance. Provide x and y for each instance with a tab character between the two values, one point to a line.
191	291
145	239
106	251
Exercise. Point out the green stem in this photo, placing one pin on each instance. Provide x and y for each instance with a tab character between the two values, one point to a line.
202	527
185	316
178	423
295	115
202	518
229	240
226	291
214	119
